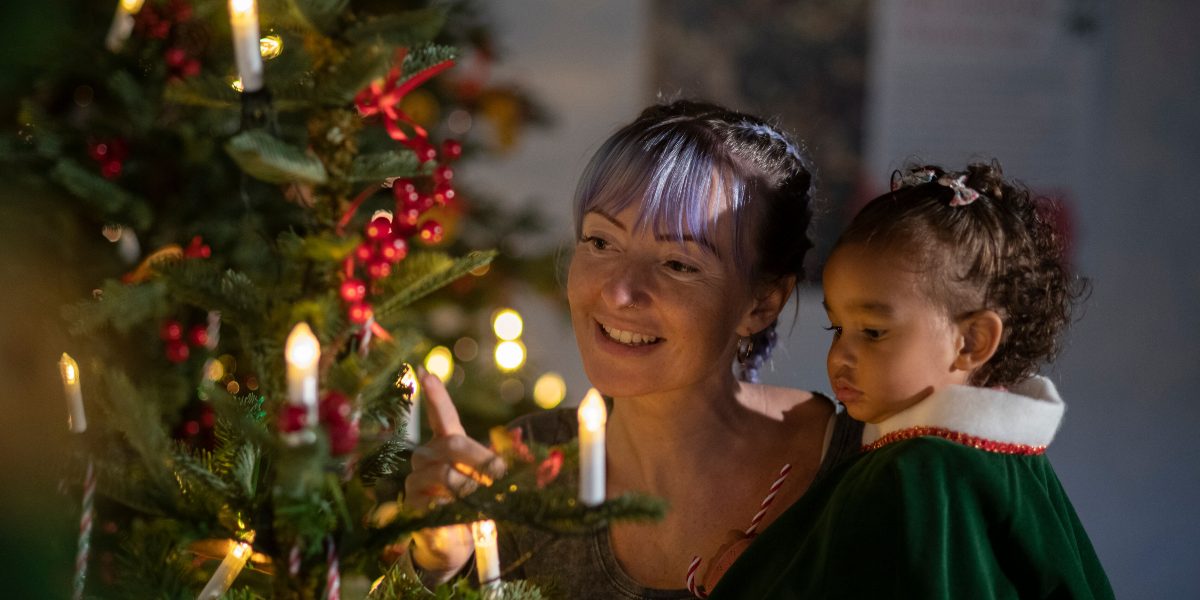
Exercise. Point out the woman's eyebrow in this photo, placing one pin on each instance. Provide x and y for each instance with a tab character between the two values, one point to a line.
609	218
687	237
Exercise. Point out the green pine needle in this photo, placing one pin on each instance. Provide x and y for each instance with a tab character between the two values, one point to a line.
267	158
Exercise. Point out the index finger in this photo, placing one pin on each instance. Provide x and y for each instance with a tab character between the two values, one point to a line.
443	417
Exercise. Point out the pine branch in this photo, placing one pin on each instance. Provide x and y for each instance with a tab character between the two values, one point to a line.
267	158
419	59
386	460
129	91
151	564
202	284
386	165
205	90
423	274
316	16
364	63
407	28
124	307
108	198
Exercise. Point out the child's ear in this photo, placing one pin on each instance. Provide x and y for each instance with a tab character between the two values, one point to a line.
981	332
769	301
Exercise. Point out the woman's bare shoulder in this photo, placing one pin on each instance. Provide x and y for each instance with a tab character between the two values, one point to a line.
785	403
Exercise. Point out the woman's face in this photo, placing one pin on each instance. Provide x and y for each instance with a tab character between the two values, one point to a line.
652	314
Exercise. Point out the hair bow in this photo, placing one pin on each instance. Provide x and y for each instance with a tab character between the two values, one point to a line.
963	195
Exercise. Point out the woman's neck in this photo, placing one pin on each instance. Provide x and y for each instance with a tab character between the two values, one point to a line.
660	435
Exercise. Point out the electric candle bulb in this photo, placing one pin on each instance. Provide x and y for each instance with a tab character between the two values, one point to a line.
592	417
122	24
243	20
487	556
76	418
303	352
227	572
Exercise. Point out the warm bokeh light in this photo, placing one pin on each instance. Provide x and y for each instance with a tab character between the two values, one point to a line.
132	6
240	7
270	46
507	324
466	349
214	370
510	355
440	362
237	86
549	390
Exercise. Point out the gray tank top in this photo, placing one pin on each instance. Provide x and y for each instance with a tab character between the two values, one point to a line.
584	567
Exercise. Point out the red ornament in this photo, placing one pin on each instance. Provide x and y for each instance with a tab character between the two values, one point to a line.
293	418
426	202
343	437
379	268
451	149
175	57
359	312
406	221
98	151
197	249
444	194
431	232
424	150
177	351
379	228
171	331
394	250
364	253
353	290
110	169
334	407
404	191
548	470
198	335
191	68
443	174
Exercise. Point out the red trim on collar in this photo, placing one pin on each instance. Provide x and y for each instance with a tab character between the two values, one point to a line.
957	437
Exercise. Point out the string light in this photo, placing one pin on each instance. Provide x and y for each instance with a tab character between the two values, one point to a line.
549	390
507	324
510	355
440	362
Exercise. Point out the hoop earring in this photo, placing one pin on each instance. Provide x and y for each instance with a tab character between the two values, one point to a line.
745	348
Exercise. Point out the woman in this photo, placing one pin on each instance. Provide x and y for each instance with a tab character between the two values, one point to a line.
691	228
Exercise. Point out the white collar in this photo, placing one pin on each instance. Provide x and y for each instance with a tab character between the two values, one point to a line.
1026	414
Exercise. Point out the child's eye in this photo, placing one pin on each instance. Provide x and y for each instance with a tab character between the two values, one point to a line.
836	329
872	334
680	267
597	243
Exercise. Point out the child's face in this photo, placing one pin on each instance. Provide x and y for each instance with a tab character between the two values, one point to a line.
891	346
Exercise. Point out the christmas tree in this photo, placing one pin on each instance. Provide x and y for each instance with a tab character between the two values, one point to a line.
284	213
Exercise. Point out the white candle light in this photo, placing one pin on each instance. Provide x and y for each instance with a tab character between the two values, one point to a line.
487	556
122	24
227	572
303	353
76	418
243	20
592	417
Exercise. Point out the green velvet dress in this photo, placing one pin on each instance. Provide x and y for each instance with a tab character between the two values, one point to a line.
954	499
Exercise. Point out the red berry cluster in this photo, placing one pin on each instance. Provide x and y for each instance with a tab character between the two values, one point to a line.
387	239
158	22
110	155
337	415
176	346
197	249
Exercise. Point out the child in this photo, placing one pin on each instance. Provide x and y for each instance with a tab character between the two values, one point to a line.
944	297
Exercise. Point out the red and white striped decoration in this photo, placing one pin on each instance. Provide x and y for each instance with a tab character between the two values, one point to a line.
695	590
85	531
333	579
766	503
294	560
698	590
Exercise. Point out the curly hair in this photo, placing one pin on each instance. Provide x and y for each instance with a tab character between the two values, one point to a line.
1000	252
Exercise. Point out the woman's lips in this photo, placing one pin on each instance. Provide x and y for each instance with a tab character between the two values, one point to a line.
845	392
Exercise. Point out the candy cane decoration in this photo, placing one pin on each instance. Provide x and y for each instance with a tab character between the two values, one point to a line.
85	530
766	503
691	579
333	580
697	590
